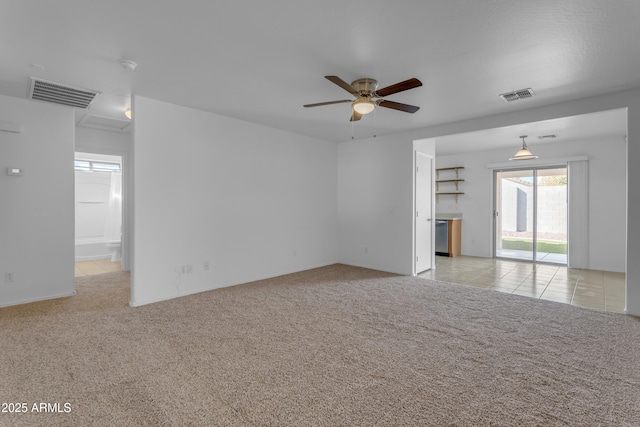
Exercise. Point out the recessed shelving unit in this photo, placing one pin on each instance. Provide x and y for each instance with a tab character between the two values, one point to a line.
450	181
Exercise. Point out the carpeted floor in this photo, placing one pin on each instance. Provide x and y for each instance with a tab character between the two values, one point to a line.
332	346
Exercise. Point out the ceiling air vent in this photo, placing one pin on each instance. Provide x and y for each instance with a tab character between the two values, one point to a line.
517	94
57	93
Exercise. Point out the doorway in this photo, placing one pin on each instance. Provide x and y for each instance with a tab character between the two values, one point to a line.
531	221
98	213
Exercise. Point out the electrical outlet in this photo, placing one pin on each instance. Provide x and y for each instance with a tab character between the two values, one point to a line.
9	277
205	265
366	250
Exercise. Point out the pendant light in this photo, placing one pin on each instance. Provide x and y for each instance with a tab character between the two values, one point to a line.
524	153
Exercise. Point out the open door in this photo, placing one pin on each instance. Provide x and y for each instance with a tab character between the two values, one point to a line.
423	218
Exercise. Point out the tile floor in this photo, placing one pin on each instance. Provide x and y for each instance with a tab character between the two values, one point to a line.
528	256
99	266
601	290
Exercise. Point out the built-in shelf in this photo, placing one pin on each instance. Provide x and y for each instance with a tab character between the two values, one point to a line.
453	181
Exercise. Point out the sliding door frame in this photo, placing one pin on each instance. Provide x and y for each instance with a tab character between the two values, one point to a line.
497	214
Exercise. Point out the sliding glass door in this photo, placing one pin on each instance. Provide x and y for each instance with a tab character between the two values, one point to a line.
531	214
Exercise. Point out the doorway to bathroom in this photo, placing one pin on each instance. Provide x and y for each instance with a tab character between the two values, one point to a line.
98	213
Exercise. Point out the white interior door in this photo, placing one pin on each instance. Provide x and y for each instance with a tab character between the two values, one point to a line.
423	218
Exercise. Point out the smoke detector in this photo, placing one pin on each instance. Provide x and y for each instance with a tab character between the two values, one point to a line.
128	64
517	94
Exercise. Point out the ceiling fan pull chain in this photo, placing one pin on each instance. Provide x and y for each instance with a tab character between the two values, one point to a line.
374	124
353	124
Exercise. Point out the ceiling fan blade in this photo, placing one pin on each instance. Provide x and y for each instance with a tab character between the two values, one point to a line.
344	85
327	103
399	87
398	106
355	116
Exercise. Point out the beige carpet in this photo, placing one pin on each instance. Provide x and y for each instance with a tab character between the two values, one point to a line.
332	346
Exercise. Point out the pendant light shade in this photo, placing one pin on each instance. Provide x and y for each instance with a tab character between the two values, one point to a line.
523	153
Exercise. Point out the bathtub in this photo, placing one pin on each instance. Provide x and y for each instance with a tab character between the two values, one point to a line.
91	249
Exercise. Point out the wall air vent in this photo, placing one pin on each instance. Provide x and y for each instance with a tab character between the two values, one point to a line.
551	136
57	93
517	94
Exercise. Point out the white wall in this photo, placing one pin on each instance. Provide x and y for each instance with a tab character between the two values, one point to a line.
102	141
36	214
375	202
255	202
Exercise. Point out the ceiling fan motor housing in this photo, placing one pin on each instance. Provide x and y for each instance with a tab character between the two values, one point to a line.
365	86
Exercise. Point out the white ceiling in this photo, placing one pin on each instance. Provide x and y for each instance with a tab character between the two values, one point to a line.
586	127
262	60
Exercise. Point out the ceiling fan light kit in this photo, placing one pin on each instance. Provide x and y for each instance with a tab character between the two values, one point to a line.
363	105
368	97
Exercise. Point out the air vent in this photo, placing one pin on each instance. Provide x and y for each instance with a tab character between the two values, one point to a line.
551	136
517	94
57	93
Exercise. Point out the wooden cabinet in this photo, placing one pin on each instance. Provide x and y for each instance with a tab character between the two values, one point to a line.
448	237
455	237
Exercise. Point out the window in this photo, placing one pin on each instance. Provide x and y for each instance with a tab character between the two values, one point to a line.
96	166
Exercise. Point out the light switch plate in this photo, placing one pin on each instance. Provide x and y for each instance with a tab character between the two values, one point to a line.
14	171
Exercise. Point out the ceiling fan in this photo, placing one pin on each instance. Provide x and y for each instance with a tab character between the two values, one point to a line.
368	96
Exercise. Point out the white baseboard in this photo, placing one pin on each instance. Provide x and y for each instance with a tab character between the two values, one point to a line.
48	297
133	303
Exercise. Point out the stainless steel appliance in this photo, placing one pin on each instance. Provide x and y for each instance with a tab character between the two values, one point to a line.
442	237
